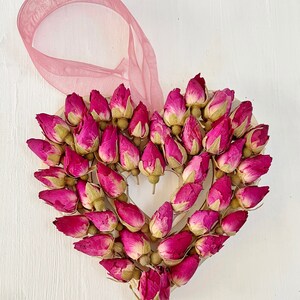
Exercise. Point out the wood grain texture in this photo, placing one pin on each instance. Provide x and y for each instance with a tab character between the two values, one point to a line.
250	46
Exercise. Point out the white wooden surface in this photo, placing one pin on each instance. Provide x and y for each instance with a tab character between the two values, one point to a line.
250	46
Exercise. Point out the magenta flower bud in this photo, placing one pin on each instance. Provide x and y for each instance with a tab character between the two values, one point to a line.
49	153
196	92
219	105
129	154
161	222
219	195
108	149
202	221
174	109
103	220
74	164
86	136
112	183
186	197
197	168
165	288
149	285
63	200
252	168
139	124
210	244
229	160
173	249
135	244
250	196
120	104
120	269
174	153
158	129
99	107
53	178
241	118
257	138
74	226
130	215
191	136
54	128
75	109
218	139
233	222
184	271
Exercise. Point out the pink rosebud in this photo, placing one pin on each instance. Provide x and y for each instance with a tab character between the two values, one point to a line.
139	124
197	168
202	221
233	222
210	244
158	129
74	226
120	104
149	285
173	249
250	196
196	92
135	244
75	109
108	149
130	215
217	140
174	153
241	118
184	271
86	136
120	269
229	160
219	195
257	138
99	107
53	178
54	128
191	136
174	109
252	168
49	153
96	245
165	288
74	164
219	105
63	200
103	220
186	197
112	183
129	154
161	222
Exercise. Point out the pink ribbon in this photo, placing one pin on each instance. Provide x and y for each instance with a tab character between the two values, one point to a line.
140	74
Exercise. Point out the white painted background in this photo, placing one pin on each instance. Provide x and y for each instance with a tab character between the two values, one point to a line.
250	46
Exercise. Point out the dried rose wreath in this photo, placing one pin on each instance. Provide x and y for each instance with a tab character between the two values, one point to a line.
91	152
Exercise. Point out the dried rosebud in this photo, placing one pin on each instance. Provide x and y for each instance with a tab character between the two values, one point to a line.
108	149
103	220
139	124
53	178
165	288
74	164
120	104
233	222
186	197
219	195
120	269
250	196
197	168
191	136
210	244
130	215
229	160
161	222
129	154
202	221
173	249
54	128
112	183
49	153
149	285
99	107
74	226
195	94
175	153
158	129
63	200
135	244
252	168
257	138
75	109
